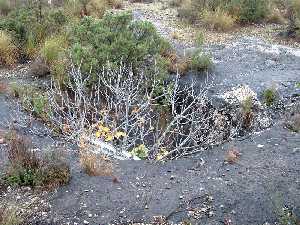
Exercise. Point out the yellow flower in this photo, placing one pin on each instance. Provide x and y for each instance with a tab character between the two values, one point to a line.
120	134
162	153
109	137
98	134
105	129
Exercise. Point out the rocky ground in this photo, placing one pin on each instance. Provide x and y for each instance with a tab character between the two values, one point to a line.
261	180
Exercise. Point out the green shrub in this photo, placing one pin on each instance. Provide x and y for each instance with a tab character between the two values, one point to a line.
218	20
29	31
269	96
54	49
24	177
8	50
201	61
115	39
253	10
19	22
32	99
247	111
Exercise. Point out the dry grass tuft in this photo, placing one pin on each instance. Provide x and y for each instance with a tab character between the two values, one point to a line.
218	20
27	169
9	216
95	164
276	17
8	50
19	153
175	35
96	8
232	156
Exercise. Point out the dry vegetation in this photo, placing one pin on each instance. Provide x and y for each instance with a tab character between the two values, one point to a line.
8	50
225	15
27	169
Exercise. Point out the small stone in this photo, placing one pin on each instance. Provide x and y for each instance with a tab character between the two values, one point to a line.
172	177
86	222
90	215
295	150
260	146
146	207
180	197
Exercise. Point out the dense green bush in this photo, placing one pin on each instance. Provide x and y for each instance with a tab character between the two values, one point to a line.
253	10
116	38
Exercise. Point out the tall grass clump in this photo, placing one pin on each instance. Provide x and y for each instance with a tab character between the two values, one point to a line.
53	53
8	50
219	20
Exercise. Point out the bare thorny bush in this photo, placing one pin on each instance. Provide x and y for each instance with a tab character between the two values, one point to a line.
175	121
